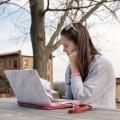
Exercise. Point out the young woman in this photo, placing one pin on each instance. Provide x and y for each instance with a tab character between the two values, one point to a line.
89	77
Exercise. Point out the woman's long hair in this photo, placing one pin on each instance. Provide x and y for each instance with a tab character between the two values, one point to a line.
80	36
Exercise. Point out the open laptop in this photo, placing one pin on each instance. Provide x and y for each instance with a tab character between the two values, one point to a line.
29	90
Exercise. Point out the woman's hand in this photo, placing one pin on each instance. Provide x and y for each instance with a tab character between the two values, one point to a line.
73	57
73	61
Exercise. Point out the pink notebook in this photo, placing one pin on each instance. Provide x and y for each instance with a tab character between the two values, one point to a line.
51	106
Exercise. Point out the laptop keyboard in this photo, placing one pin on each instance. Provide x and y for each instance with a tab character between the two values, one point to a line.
59	100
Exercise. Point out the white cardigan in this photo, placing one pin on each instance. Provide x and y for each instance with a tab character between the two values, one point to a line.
99	87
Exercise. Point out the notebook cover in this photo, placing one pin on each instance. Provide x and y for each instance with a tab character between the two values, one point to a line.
52	106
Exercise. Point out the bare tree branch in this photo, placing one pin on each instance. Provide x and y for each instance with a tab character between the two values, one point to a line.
75	14
3	10
56	45
4	2
48	4
78	8
69	8
87	15
113	12
59	26
81	10
20	6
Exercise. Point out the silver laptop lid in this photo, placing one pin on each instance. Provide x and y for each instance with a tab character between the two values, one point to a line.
27	86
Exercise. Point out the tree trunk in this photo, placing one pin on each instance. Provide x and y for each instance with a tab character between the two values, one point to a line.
38	37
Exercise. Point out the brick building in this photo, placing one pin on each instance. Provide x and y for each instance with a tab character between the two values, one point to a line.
15	60
118	88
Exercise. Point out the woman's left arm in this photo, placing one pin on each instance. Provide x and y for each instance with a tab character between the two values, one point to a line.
95	85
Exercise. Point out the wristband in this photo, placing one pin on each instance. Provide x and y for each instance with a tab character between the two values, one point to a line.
75	74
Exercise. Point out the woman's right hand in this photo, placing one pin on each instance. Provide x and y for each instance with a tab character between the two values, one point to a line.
73	57
73	61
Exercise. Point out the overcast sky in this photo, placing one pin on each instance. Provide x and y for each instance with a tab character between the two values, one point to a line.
105	36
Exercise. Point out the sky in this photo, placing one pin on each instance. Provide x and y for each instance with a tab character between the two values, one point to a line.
105	35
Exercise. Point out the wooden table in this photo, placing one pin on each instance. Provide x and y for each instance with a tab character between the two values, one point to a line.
9	110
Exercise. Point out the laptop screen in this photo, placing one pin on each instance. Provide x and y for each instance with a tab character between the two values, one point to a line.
27	86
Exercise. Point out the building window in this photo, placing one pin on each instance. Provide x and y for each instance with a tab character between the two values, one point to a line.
25	63
1	65
15	64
